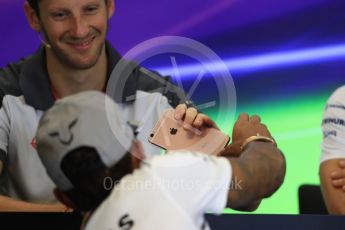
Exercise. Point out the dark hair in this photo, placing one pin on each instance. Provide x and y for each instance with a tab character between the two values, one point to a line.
87	172
34	5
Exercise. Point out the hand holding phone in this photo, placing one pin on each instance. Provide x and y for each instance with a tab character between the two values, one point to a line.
169	134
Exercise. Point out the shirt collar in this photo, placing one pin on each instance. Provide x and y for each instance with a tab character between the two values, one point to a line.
35	83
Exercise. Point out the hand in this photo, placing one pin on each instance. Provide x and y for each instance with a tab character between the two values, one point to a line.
338	177
192	118
58	208
245	127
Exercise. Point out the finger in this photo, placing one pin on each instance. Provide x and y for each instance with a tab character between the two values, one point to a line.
255	119
232	150
337	175
342	164
265	127
262	129
338	183
189	118
200	120
204	120
243	117
180	111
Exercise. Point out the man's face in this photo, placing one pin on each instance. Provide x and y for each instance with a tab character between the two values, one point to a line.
75	29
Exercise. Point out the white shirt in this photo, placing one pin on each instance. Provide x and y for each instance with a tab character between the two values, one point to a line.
168	192
26	177
333	127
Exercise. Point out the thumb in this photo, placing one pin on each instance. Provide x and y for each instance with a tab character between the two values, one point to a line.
232	150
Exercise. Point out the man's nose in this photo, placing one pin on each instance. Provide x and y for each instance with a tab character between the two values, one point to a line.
79	27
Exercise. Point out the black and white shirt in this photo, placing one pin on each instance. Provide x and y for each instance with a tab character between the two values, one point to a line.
25	92
333	127
172	191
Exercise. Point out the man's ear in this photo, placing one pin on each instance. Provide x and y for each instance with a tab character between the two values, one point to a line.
32	17
110	4
63	198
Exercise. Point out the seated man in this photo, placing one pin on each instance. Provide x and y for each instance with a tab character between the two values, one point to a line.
98	168
332	166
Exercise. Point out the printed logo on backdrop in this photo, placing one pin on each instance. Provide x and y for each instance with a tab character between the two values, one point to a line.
205	80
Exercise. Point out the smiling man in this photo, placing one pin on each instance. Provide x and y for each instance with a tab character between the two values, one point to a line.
74	33
74	57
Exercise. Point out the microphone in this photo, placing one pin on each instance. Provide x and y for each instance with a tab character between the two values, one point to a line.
45	43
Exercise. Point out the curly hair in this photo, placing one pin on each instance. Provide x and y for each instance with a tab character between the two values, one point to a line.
86	171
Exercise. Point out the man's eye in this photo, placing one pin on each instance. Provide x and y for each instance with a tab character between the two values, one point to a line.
91	9
59	15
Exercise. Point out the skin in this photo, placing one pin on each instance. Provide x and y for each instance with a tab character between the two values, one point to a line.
245	126
193	119
332	178
75	31
338	176
260	167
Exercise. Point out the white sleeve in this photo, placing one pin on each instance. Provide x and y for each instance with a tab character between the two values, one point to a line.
148	108
4	125
333	127
198	182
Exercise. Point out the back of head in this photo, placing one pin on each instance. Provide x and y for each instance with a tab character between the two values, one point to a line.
92	180
80	140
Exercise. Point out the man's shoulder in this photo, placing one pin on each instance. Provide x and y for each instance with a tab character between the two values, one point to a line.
9	79
12	70
152	81
337	96
335	107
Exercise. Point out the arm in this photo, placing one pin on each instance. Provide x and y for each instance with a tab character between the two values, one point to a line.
332	147
261	171
258	169
333	195
338	176
8	204
245	127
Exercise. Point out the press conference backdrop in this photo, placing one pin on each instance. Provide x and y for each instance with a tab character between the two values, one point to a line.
285	58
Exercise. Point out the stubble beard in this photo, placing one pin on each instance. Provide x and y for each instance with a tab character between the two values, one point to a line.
67	60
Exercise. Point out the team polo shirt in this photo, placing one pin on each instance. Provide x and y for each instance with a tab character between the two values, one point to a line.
333	127
25	92
168	192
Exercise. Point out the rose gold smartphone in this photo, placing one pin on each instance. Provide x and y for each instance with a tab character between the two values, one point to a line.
169	134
